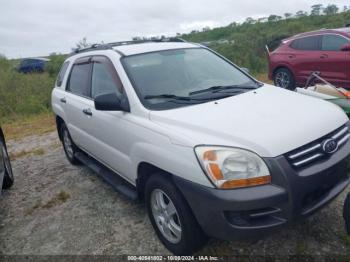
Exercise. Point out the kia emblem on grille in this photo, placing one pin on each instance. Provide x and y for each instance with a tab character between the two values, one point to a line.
330	146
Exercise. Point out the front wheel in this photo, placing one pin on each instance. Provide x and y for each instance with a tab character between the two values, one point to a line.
171	217
5	166
284	78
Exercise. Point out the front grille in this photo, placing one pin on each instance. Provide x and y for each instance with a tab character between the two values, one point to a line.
312	152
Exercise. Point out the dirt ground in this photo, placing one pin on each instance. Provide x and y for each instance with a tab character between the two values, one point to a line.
56	208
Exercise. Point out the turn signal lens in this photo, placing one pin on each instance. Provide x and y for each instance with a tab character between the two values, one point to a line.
247	182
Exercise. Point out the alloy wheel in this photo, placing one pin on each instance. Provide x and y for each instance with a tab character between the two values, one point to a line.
68	145
166	216
282	79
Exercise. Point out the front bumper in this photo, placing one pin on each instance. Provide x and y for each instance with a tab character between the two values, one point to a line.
258	211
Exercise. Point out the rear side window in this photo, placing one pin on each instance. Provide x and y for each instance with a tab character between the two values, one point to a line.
79	80
333	42
61	74
104	81
311	43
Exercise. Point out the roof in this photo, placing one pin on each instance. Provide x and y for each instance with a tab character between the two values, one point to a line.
134	49
343	31
37	58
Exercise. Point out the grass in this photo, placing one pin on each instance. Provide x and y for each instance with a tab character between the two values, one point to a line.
33	208
27	126
263	77
300	248
34	152
346	239
56	200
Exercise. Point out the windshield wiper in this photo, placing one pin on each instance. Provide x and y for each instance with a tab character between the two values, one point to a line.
216	89
170	96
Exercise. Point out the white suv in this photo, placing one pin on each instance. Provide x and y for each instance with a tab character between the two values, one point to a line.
212	151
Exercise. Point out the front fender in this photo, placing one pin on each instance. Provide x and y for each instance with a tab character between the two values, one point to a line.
177	160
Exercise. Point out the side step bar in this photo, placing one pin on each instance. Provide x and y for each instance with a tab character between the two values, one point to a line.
118	183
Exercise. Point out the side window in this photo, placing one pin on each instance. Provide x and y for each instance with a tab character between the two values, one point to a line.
333	42
25	62
61	74
104	80
311	43
79	79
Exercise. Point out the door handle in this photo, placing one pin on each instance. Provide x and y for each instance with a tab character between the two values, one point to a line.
291	56
324	56
63	100
87	111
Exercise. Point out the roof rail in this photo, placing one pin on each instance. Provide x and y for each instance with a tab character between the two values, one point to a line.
122	43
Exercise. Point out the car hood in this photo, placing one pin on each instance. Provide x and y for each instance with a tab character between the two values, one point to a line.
269	121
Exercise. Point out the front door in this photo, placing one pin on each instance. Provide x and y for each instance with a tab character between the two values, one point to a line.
110	132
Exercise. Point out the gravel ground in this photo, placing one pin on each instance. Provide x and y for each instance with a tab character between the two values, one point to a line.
56	208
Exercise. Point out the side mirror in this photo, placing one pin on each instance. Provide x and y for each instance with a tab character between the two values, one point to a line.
111	102
345	47
245	70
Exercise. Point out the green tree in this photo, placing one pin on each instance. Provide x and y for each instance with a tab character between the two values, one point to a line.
300	14
316	9
331	10
55	63
288	15
274	18
83	43
262	19
250	21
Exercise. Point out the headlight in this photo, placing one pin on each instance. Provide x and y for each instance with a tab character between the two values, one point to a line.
232	167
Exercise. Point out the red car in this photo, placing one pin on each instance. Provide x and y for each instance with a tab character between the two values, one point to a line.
326	51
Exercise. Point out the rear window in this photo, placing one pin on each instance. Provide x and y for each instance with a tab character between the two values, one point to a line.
311	43
333	42
61	74
79	80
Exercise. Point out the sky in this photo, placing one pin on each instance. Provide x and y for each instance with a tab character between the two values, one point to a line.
31	28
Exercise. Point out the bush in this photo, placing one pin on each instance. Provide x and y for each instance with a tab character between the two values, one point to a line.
23	94
55	63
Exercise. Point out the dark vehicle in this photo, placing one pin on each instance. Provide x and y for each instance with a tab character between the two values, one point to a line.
6	175
32	65
326	51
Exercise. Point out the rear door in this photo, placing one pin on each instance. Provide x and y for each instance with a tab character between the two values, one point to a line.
77	99
335	64
306	56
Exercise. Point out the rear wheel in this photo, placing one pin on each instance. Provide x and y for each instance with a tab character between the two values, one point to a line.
171	217
5	166
68	145
284	78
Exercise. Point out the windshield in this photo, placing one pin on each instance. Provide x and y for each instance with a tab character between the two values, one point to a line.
181	77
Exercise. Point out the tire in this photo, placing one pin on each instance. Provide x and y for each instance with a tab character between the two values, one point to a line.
68	145
284	78
160	191
5	166
346	213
